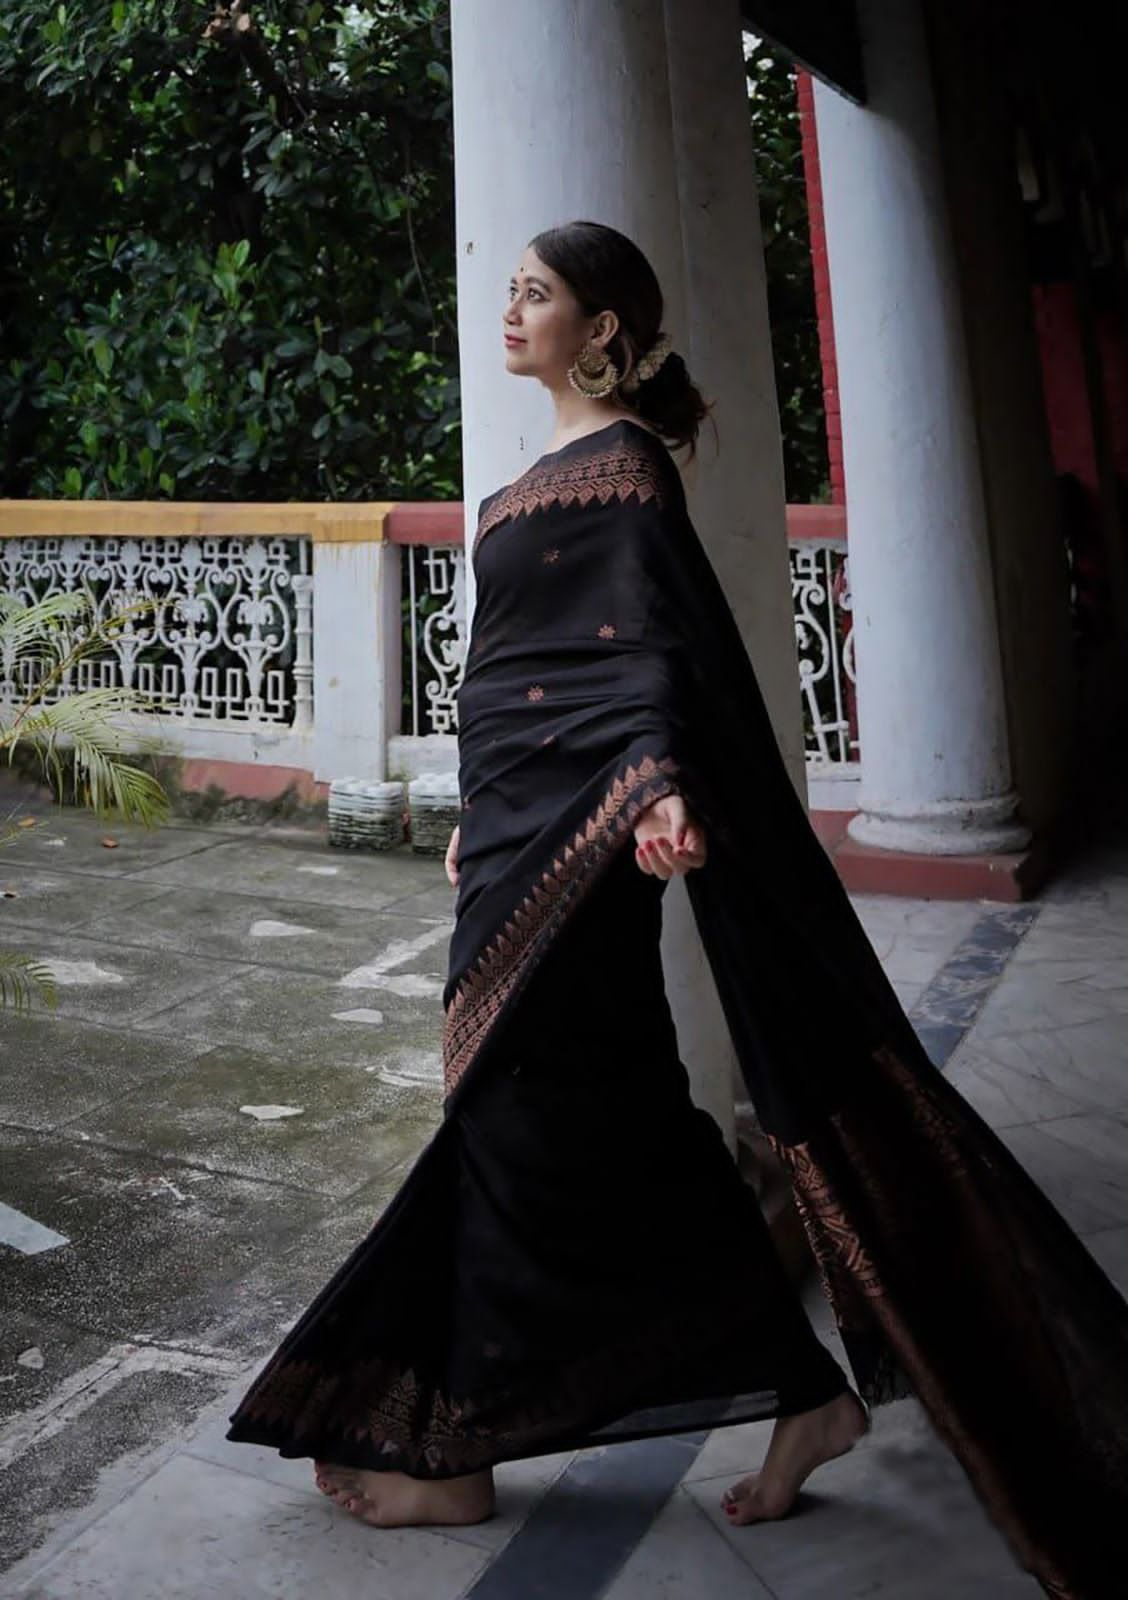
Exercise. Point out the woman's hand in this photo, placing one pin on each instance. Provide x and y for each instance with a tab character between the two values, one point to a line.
451	860
668	839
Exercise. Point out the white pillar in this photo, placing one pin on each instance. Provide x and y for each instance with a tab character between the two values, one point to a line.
561	111
736	486
936	771
564	110
356	653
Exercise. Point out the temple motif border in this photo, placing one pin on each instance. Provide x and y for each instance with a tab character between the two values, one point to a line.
614	473
507	961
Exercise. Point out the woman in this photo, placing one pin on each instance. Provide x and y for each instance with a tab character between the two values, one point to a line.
574	1259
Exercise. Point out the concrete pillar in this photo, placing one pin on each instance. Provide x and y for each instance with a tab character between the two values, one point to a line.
577	110
736	489
736	486
936	770
356	655
561	110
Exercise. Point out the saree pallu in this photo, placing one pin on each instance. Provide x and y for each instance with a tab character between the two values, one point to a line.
573	1257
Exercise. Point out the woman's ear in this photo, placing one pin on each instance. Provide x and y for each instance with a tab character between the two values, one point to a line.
606	327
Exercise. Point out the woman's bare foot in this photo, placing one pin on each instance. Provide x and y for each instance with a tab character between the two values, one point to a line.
393	1500
799	1445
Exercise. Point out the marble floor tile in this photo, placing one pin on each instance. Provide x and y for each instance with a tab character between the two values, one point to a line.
731	1452
907	993
1111	1251
683	1556
897	1519
914	938
1031	998
1034	1077
197	1530
1074	933
1081	1163
521	1485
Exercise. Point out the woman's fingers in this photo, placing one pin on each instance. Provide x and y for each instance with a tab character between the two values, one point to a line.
657	855
693	852
450	862
666	859
660	855
668	839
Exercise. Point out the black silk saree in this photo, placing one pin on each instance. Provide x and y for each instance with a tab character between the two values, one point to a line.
573	1258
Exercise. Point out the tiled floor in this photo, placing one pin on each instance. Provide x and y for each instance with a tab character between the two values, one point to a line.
1029	1012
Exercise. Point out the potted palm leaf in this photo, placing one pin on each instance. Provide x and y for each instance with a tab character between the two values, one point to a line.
72	736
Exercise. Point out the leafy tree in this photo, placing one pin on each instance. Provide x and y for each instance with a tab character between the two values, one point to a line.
787	251
227	251
227	247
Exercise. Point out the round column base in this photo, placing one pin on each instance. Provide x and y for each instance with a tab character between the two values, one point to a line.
948	828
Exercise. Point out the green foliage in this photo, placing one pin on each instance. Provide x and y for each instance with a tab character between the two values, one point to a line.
226	250
44	646
23	980
72	736
787	251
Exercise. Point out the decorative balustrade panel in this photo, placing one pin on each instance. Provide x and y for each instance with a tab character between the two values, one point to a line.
434	599
226	635
434	603
820	592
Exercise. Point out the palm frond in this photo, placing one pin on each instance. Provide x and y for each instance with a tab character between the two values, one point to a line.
23	979
112	787
87	712
102	779
23	626
56	635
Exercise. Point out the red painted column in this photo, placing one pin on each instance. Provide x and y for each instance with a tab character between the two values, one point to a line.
1065	383
1073	443
1112	348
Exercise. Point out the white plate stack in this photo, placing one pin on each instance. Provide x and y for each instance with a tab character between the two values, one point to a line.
435	810
365	814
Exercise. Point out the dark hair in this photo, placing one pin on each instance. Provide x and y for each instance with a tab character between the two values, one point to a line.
606	271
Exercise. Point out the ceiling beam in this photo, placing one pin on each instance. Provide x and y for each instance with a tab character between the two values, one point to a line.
821	35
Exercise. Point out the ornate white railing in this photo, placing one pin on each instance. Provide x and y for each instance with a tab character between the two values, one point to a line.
434	580
225	635
820	592
434	591
330	640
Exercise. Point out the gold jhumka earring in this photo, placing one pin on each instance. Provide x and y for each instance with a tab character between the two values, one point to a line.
593	373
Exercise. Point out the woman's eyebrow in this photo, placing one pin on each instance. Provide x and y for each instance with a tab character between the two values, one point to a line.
530	279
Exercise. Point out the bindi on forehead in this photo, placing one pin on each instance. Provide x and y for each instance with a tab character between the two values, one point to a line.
531	277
